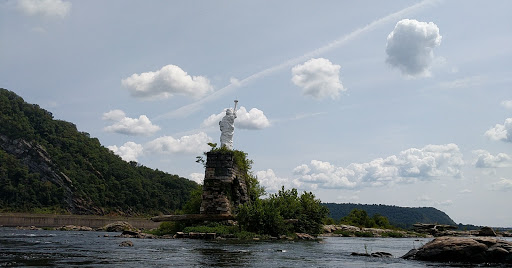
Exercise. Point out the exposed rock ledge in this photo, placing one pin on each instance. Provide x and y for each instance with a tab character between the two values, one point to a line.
464	250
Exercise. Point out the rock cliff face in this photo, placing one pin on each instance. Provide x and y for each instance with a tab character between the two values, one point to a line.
35	157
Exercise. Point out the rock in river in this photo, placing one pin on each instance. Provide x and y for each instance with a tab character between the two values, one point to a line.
464	250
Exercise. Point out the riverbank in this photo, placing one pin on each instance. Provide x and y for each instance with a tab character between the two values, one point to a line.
53	221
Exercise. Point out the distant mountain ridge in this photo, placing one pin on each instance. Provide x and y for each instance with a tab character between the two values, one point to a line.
403	217
47	165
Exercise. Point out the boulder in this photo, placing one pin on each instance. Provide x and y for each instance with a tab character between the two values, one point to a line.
126	243
464	250
486	231
303	236
378	254
132	234
118	226
74	228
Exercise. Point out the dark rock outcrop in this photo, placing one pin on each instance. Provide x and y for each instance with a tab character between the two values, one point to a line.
464	250
126	243
434	229
486	231
134	234
378	254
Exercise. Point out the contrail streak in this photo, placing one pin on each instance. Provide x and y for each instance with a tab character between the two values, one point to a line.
190	108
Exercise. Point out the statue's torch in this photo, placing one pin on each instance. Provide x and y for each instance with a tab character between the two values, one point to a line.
234	110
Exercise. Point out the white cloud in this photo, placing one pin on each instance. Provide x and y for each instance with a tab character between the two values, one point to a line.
445	203
428	200
253	119
45	8
501	132
502	185
424	198
273	183
351	197
129	126
270	181
428	163
192	144
128	152
169	81
197	177
507	104
487	160
465	82
410	47
465	191
318	78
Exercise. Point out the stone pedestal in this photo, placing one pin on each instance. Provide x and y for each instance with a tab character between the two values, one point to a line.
224	188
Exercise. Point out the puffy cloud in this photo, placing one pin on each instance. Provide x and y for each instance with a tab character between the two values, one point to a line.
129	126
45	8
507	104
408	166
197	177
273	183
192	144
502	185
128	152
501	132
318	78
487	160
166	82
253	119
410	47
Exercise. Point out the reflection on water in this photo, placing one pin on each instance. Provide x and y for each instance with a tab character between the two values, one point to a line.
93	249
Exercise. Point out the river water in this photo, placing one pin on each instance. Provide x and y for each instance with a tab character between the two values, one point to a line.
94	249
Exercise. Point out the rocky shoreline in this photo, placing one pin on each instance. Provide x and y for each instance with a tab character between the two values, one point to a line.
421	230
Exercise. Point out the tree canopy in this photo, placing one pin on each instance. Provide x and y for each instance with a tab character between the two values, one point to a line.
100	181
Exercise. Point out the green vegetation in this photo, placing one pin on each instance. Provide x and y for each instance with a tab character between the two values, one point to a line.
25	191
269	216
82	176
359	218
167	228
402	217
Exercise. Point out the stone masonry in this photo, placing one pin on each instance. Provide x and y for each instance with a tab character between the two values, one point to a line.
224	188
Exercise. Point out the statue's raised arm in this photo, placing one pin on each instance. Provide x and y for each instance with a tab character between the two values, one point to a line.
227	128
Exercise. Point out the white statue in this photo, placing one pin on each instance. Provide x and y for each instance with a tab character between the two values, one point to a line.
227	128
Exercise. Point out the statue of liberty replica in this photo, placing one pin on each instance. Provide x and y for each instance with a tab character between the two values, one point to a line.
227	128
224	185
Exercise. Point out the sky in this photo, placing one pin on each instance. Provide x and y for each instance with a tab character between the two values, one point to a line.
405	103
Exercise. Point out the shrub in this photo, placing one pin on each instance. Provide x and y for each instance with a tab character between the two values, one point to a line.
363	234
268	216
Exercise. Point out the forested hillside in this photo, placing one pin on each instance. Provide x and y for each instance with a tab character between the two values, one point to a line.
47	165
403	217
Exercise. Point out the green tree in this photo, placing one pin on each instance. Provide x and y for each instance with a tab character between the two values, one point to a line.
358	217
283	213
